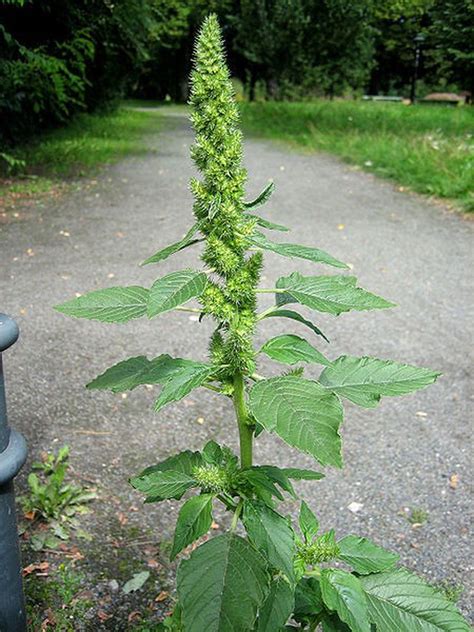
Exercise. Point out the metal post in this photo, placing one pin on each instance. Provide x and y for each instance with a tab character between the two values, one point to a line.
419	39
12	458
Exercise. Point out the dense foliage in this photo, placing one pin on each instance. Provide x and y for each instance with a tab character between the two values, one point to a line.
262	572
58	57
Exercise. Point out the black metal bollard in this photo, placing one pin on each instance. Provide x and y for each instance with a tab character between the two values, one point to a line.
12	458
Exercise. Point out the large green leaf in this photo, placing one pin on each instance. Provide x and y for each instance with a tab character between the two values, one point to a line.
277	607
278	476
162	485
296	250
264	223
194	520
112	305
164	253
308	522
222	585
365	380
263	197
182	382
332	623
331	294
343	593
175	289
128	374
308	599
299	474
289	313
364	556
181	463
184	462
300	412
399	600
271	534
290	349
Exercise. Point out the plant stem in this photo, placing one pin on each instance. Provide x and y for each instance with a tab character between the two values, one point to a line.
245	429
238	511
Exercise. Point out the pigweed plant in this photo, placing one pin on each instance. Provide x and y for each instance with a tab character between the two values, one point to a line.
273	577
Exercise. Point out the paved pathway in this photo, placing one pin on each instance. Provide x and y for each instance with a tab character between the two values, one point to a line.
399	455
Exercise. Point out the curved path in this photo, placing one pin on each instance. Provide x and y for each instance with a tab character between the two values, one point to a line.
404	454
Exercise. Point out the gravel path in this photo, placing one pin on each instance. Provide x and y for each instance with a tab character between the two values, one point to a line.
400	455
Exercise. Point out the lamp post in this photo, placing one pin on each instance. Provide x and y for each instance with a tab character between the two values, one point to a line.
418	40
12	457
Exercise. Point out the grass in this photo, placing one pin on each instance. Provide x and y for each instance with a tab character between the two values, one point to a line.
428	149
88	142
55	603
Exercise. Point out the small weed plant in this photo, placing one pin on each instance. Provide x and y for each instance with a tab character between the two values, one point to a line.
264	574
53	500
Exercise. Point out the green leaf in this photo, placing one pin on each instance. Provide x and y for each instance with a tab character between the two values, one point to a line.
212	453
290	349
184	462
182	382
262	484
288	313
365	380
128	374
364	556
112	305
332	623
343	593
181	463
300	412
308	599
277	607
298	474
296	250
136	582
331	294
164	253
175	289
222	585
262	198
308	522
159	485
271	534
399	600
194	520
264	223
278	476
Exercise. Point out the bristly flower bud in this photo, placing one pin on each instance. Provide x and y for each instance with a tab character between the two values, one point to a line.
219	204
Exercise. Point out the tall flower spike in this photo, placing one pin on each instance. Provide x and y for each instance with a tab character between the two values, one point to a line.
218	205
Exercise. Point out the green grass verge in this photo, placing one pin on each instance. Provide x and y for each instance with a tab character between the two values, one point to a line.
88	142
427	148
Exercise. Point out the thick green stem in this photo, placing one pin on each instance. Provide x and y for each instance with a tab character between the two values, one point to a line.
245	429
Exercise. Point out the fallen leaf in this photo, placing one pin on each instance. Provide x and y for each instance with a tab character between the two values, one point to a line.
103	616
163	596
133	616
41	566
153	563
122	518
30	515
214	525
453	481
136	582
